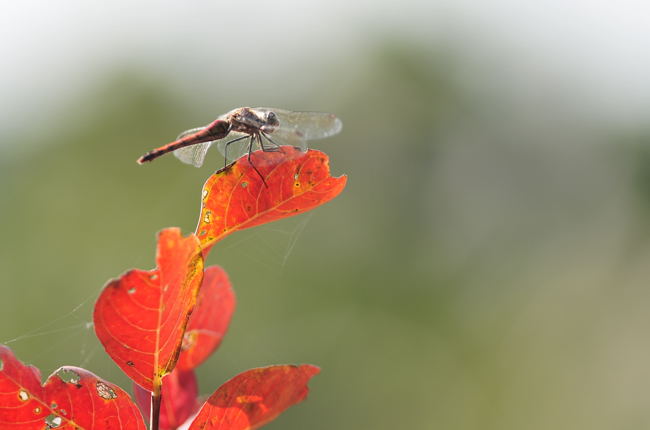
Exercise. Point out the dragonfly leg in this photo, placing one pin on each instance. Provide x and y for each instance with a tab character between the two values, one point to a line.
267	148
277	147
250	150
225	148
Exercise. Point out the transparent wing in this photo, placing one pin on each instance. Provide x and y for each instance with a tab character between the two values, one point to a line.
296	126
194	154
234	146
282	136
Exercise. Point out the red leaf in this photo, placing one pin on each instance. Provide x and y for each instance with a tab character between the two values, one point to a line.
255	397
179	399
236	198
210	318
71	398
140	318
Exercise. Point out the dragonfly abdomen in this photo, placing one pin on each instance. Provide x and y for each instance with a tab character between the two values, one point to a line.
217	129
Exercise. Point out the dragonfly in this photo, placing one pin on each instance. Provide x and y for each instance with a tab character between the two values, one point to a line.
244	129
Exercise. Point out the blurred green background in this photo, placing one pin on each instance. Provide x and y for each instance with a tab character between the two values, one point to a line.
487	265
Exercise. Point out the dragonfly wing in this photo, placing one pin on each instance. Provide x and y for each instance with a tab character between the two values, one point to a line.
284	136
306	125
234	146
193	154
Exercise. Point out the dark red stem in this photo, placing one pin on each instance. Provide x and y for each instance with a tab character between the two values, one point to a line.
156	400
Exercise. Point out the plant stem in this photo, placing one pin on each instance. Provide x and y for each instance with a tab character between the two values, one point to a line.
156	400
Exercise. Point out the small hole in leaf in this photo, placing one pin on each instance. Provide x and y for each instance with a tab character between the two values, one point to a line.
68	376
130	363
206	217
54	405
203	233
244	184
205	193
53	421
131	290
23	395
37	410
296	176
153	277
189	338
104	391
63	412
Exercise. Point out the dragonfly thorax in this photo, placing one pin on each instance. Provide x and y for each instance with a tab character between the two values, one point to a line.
252	121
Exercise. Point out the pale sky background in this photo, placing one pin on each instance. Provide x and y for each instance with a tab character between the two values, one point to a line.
51	51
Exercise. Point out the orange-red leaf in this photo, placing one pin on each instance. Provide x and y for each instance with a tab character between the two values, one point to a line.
140	318
71	398
236	198
179	399
255	397
210	319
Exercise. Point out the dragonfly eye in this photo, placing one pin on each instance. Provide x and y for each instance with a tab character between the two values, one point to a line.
272	118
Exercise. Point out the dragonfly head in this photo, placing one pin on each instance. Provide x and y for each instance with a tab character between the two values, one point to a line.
271	121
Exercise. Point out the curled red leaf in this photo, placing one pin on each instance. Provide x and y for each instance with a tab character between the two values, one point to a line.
236	198
210	319
71	398
254	397
140	318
